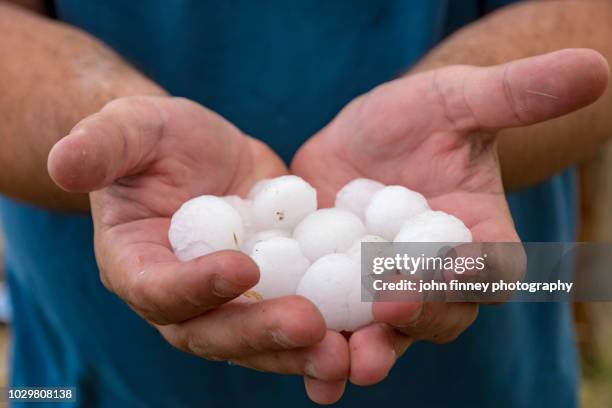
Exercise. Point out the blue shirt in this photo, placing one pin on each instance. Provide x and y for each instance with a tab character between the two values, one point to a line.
279	70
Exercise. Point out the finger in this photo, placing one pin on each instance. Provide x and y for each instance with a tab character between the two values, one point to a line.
136	263
107	145
374	349
503	261
327	360
438	322
123	138
324	392
238	330
523	92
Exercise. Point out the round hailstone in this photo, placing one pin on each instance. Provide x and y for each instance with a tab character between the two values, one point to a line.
193	250
434	226
257	187
356	195
283	202
203	225
354	252
333	284
281	267
244	208
327	231
390	207
431	227
250	242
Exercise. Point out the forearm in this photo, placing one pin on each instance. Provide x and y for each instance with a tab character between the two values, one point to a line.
531	154
51	76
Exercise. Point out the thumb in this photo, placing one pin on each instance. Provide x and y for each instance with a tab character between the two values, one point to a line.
116	142
526	91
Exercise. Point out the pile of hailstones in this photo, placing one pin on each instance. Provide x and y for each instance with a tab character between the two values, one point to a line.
307	251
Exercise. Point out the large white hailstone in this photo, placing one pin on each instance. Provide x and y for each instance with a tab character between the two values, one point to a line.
354	252
244	208
333	284
259	236
281	267
203	225
356	195
327	231
430	227
257	187
434	226
390	207
283	202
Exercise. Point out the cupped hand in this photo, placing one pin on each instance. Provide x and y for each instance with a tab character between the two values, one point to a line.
141	158
434	132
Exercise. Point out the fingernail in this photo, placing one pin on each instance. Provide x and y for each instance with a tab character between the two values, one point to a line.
309	369
225	289
281	339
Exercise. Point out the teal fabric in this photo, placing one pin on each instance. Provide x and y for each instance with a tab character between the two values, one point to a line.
280	70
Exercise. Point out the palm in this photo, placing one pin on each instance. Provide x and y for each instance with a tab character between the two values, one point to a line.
141	158
435	133
144	157
194	152
457	172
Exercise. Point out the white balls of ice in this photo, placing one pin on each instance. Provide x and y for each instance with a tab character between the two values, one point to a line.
203	225
356	195
309	252
333	284
327	231
259	236
281	266
244	208
354	252
282	202
430	227
433	226
390	207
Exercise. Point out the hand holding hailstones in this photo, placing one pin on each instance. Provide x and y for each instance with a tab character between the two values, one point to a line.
309	252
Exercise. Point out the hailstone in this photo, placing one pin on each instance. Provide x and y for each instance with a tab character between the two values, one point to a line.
431	227
434	226
356	195
327	231
309	252
354	252
259	236
283	202
257	187
390	207
281	266
333	284
244	208
203	225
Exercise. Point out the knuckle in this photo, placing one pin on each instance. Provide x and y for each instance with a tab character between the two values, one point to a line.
187	342
144	112
445	337
514	103
250	340
453	330
428	318
138	291
142	297
430	323
176	338
302	321
200	346
450	96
